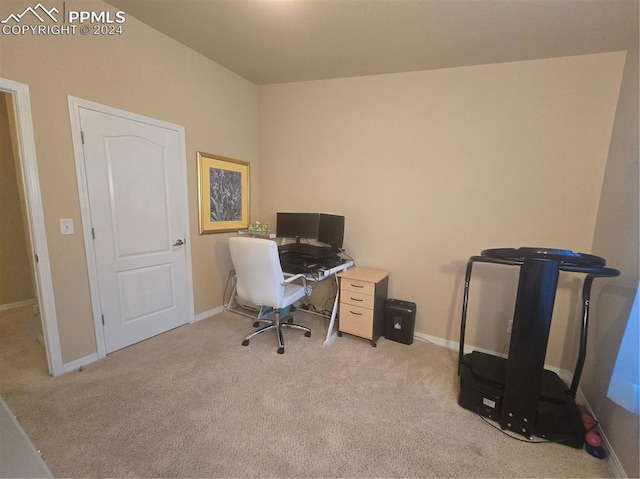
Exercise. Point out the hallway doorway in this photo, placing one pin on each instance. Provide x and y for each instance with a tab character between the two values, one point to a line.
31	274
17	275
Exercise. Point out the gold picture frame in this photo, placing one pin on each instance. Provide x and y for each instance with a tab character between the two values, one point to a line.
223	194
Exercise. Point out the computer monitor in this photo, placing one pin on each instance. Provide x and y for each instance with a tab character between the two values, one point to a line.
297	225
331	230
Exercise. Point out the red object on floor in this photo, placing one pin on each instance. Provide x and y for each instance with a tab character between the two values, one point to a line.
593	441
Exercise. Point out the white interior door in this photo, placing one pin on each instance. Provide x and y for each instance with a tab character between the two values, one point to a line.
136	192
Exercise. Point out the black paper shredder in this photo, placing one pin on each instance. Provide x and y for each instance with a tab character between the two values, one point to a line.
399	320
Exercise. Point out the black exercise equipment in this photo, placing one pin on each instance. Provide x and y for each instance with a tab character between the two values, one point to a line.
517	391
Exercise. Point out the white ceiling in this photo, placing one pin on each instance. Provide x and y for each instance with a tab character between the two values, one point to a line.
275	41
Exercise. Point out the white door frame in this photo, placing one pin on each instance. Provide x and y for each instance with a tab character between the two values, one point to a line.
31	183
76	132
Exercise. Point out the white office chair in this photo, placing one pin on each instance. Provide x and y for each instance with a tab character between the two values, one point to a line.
260	281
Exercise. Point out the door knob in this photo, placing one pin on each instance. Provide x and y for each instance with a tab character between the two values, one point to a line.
178	243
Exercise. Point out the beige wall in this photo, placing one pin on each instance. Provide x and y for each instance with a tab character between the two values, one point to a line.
617	239
15	267
428	167
144	72
432	167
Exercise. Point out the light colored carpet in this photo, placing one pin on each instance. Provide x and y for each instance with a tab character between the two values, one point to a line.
194	403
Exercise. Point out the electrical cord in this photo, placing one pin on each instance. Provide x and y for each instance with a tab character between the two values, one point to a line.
506	344
330	297
531	441
503	431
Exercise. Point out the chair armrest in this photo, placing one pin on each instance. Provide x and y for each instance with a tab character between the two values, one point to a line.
289	279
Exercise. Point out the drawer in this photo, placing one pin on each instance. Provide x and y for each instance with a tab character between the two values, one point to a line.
356	320
364	287
356	299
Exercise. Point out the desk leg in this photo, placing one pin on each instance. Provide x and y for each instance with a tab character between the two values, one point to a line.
232	299
330	334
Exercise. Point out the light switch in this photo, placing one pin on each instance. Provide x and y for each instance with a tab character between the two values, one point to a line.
66	227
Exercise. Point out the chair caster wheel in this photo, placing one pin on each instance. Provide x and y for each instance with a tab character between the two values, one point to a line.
374	345
280	350
339	334
256	324
245	342
308	334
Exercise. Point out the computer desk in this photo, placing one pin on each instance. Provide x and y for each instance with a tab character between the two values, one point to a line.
323	274
315	276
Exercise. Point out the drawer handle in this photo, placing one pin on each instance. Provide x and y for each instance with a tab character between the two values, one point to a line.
357	299
357	314
357	285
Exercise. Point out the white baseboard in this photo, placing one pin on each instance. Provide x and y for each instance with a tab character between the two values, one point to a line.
612	459
78	364
565	375
17	304
208	314
454	345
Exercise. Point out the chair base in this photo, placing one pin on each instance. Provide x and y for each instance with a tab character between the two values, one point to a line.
276	325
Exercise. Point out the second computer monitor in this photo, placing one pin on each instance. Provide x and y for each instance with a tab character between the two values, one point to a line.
331	230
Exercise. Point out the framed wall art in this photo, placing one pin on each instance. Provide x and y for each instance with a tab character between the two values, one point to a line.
223	194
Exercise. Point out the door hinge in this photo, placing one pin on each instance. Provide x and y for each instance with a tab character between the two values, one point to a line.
37	259
82	136
102	319
93	233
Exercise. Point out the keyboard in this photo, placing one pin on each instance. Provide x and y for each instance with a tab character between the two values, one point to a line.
294	263
332	261
309	250
298	268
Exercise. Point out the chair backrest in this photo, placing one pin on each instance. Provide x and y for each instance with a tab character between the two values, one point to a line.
258	272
